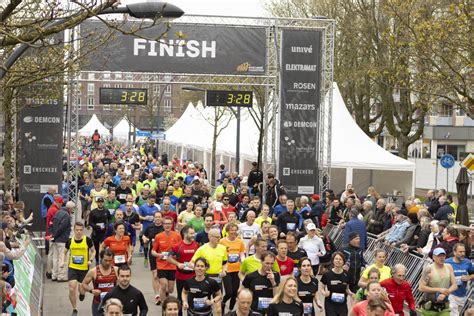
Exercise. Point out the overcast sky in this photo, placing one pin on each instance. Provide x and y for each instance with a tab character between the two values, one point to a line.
246	8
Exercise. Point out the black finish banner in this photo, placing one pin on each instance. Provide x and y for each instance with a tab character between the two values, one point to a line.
299	108
41	135
185	48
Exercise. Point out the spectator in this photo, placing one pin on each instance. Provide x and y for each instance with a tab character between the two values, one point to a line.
412	232
358	226
61	229
313	245
445	211
398	231
376	224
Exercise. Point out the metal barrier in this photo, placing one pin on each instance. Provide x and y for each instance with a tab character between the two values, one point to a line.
414	263
469	301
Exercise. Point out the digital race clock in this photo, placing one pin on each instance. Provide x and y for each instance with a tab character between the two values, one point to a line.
123	96
229	98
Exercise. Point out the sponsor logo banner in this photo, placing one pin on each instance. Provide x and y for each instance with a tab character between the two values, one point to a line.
299	115
41	134
186	48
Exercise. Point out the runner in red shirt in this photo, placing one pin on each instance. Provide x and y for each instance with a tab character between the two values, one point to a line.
285	263
103	278
161	247
180	255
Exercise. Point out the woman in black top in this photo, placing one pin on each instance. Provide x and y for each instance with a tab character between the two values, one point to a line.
335	287
286	299
307	287
198	290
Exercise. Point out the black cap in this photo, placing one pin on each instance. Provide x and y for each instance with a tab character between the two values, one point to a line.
353	235
100	199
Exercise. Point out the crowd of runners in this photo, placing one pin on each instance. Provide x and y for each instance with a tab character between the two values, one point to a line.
238	246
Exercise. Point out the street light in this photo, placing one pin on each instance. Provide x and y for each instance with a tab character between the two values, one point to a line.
142	10
237	116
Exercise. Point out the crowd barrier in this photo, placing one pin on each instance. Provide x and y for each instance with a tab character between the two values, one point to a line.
29	282
413	262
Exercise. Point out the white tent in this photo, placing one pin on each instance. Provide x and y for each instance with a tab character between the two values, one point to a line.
355	158
92	125
121	130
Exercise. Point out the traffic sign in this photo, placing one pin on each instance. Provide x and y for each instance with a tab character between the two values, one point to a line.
159	136
143	133
469	163
447	161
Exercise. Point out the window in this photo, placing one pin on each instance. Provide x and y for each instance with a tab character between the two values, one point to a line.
129	85
168	90
445	110
146	77
91	76
90	103
78	103
107	75
455	150
106	107
167	77
167	107
90	88
118	85
156	89
106	85
118	75
129	76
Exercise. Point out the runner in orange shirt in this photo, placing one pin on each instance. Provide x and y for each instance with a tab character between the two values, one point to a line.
236	254
120	244
162	245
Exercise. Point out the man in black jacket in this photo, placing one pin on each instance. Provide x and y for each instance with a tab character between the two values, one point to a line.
61	229
99	219
355	262
255	178
445	212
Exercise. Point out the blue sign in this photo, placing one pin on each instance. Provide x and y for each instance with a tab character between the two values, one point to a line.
447	161
143	133
159	136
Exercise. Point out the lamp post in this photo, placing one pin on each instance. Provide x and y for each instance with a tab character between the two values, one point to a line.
142	10
237	116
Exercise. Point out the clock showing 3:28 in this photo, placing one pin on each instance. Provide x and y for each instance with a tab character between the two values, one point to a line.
123	96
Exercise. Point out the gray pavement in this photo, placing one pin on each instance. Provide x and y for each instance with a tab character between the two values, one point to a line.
56	294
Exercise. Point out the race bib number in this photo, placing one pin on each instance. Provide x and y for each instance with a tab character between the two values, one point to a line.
247	234
337	297
290	226
164	255
101	225
458	280
295	271
102	295
199	302
264	302
78	259
217	279
308	308
119	259
233	258
122	196
187	267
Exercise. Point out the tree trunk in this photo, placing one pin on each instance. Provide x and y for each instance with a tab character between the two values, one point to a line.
7	107
403	144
